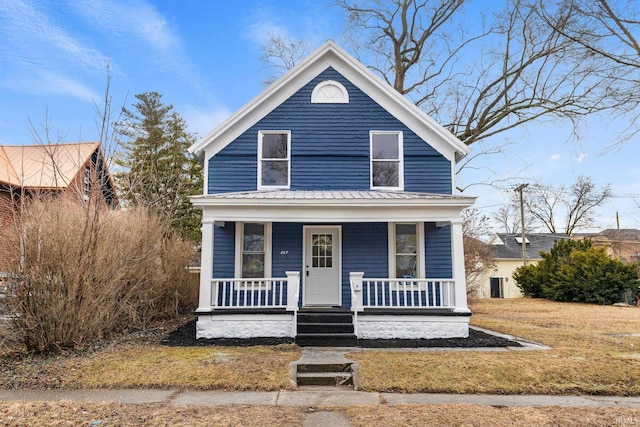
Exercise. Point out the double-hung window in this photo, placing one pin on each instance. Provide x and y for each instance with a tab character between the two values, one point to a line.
386	160
274	159
253	245
406	260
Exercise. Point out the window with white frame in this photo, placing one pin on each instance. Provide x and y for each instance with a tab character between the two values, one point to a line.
253	246
406	259
253	250
386	160
274	155
406	251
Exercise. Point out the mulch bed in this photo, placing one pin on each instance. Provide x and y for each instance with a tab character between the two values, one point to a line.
186	336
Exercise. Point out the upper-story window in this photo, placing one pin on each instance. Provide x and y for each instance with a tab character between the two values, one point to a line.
274	159
386	160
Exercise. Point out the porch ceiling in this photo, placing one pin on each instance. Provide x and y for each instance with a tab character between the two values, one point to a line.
331	205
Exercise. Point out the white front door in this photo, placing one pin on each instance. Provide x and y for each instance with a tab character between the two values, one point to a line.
322	281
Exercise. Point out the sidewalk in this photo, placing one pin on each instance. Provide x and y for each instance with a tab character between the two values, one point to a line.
310	397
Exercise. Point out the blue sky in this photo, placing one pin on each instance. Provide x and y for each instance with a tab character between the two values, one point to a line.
204	57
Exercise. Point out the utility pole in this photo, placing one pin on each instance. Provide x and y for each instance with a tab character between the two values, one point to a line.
519	189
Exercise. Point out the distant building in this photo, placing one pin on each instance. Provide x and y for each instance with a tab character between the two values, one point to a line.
76	170
498	282
621	244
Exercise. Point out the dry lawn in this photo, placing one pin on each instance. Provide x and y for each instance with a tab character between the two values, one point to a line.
113	414
480	416
152	366
35	414
595	350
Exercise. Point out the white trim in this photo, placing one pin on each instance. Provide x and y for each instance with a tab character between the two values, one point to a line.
261	134
400	159
331	55
304	259
420	253
320	96
268	238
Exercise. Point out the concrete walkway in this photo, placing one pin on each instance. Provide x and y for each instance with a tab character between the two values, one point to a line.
318	397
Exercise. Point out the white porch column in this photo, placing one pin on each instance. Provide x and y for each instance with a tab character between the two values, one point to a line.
457	253
293	290
206	266
355	280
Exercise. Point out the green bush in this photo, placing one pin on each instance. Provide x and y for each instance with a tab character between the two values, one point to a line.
574	271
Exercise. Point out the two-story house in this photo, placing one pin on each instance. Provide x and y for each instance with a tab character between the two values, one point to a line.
329	210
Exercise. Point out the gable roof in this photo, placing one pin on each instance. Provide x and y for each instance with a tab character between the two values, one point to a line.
43	166
507	247
331	55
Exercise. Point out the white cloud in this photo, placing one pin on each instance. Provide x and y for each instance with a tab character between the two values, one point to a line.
203	121
34	39
555	157
136	18
581	157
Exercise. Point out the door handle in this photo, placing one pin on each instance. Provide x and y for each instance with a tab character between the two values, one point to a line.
307	269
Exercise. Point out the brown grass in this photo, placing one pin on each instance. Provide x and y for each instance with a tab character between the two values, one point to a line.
478	416
152	366
160	414
36	414
593	352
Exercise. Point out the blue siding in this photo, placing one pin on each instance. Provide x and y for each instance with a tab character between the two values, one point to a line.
286	237
329	146
364	248
224	251
437	249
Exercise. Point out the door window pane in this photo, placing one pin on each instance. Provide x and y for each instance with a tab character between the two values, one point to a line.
321	250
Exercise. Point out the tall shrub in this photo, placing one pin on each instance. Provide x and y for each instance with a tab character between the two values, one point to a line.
574	270
84	273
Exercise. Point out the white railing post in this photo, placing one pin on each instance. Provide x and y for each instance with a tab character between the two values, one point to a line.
206	266
293	290
460	282
355	280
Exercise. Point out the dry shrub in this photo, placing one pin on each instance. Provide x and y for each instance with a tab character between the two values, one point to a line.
85	272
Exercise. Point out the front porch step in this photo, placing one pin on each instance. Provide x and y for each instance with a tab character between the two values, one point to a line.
324	374
322	327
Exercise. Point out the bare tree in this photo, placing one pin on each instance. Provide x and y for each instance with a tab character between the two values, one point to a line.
478	256
508	216
513	70
606	32
282	53
557	209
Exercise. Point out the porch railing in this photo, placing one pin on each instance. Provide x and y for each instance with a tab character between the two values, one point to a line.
402	293
281	292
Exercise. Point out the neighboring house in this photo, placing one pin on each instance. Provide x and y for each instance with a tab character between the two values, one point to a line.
621	244
77	171
329	211
498	282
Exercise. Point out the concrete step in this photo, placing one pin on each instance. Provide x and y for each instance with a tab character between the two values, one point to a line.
325	378
323	367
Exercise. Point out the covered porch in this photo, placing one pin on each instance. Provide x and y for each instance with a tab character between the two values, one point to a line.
312	232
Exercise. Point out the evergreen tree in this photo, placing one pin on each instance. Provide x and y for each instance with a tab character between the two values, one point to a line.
575	271
157	171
